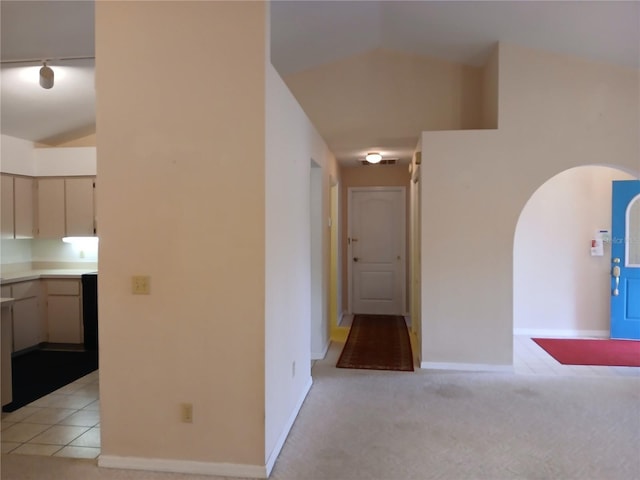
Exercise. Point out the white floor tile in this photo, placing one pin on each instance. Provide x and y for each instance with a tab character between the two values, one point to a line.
72	401
22	432
78	452
36	449
82	418
59	435
50	416
9	446
47	400
4	425
21	414
93	406
88	439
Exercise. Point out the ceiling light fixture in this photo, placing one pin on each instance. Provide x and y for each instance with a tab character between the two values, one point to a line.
46	73
46	76
373	157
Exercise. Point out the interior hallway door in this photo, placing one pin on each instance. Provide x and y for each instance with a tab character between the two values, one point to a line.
377	250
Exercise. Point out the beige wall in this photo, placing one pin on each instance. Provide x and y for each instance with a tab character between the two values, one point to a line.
556	112
84	141
366	176
181	188
388	95
490	89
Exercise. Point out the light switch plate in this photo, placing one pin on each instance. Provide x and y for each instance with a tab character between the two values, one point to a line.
140	284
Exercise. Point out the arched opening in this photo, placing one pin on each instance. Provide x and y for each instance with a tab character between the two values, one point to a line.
559	288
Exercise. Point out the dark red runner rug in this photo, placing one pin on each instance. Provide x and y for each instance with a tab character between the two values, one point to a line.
572	351
377	342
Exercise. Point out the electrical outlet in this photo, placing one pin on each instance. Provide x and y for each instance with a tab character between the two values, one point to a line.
140	284
186	411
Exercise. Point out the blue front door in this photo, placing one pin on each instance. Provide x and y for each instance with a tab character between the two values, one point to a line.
625	260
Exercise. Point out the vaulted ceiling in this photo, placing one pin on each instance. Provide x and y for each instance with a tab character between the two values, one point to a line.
306	35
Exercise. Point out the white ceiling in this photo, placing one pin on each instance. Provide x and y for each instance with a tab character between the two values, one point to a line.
305	34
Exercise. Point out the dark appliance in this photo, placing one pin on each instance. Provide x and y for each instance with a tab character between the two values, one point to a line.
90	310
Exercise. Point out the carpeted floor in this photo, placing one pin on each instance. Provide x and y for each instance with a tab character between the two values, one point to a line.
574	351
434	425
377	342
40	372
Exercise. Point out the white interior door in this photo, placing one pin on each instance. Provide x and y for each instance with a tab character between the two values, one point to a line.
377	250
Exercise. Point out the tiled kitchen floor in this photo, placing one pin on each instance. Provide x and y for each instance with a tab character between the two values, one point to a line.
65	423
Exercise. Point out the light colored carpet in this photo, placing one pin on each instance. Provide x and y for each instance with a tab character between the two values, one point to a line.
360	424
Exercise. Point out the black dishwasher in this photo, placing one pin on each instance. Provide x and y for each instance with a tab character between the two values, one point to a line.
90	310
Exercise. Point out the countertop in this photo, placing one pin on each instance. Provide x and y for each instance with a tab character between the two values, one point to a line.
5	302
8	278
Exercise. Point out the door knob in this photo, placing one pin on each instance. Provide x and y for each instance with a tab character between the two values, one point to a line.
355	259
615	273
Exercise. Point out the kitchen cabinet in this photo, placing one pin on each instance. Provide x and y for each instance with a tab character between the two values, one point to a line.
17	206
23	191
64	311
51	208
79	206
66	207
6	342
28	325
6	227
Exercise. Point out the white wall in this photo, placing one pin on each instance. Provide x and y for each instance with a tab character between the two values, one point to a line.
319	323
55	250
291	143
558	287
65	161
19	157
16	156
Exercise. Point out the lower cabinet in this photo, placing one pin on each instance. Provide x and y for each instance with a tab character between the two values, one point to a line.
64	311
28	323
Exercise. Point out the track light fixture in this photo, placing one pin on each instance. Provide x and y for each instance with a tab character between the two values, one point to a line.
46	76
46	73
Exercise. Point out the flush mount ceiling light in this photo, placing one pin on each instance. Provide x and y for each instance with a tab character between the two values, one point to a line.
373	157
46	76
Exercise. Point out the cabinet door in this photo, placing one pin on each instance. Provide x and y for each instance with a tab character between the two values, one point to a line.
23	208
51	208
27	325
79	209
6	347
64	319
6	228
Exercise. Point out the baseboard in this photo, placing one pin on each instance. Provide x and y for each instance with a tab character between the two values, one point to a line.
287	428
571	333
472	367
183	466
323	353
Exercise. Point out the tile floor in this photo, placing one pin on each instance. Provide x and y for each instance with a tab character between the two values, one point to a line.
66	422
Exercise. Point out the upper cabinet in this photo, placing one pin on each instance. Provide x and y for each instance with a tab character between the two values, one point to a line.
66	207
17	207
51	208
80	212
24	192
7	206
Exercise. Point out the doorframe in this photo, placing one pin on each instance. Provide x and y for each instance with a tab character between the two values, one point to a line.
403	246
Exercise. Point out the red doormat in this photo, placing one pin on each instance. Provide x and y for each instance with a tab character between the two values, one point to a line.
573	351
377	342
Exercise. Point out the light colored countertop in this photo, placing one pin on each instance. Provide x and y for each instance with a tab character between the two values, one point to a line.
5	302
23	276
